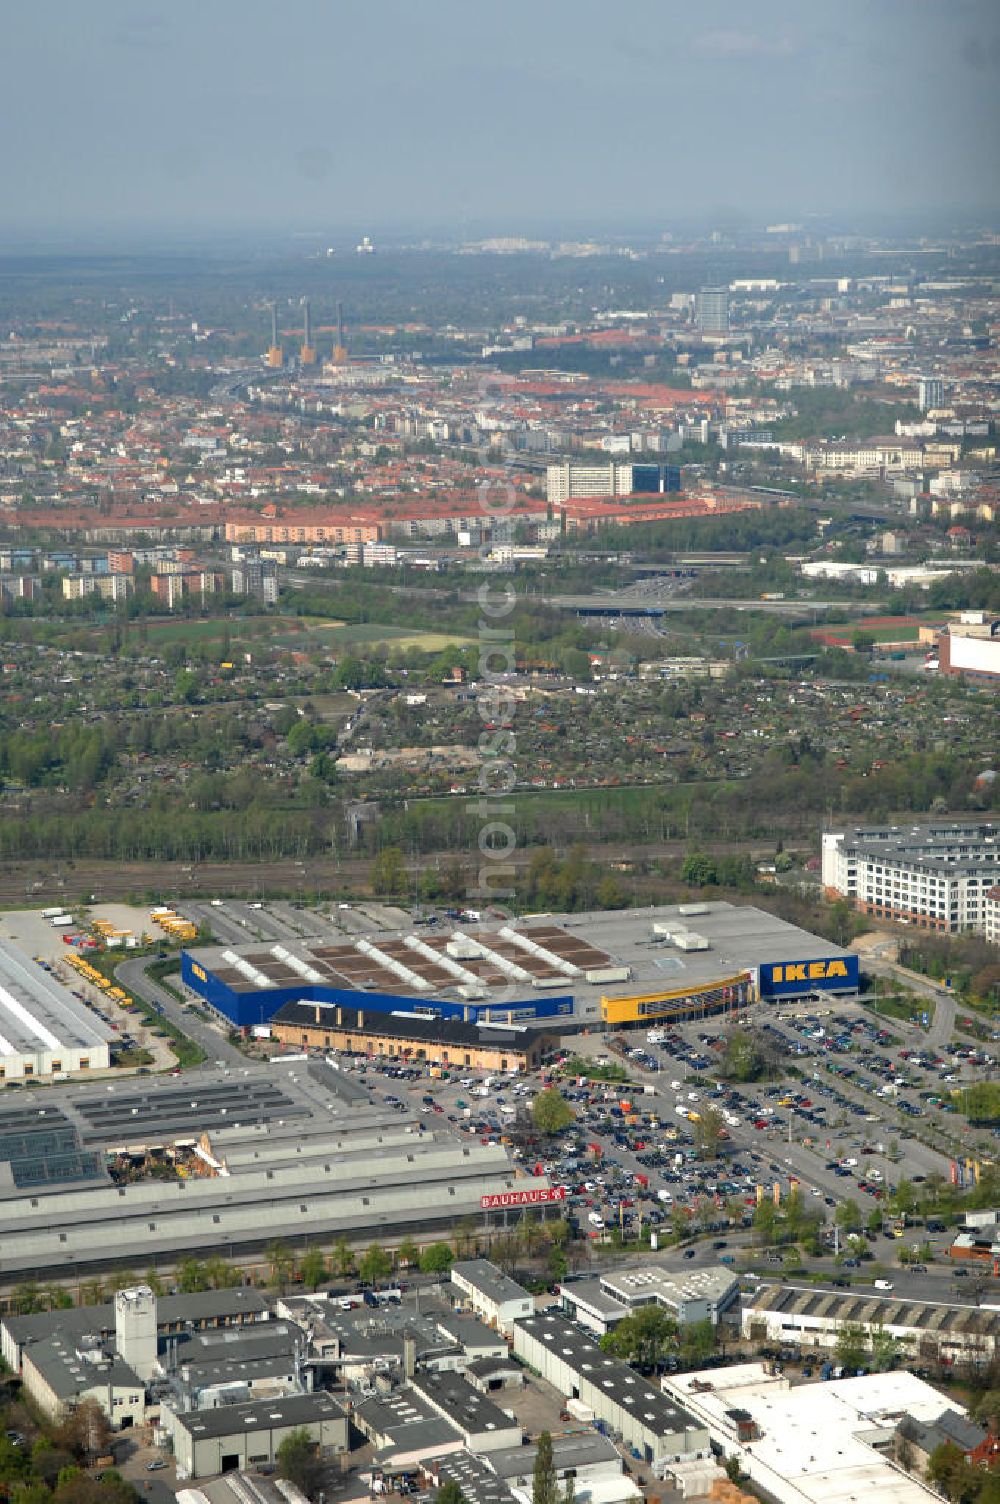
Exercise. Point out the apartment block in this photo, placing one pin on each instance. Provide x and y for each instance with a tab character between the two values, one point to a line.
936	876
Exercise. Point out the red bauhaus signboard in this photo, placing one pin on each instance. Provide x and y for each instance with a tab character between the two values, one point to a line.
544	1196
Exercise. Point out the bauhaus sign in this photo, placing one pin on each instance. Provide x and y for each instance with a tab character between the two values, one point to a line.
834	972
544	1196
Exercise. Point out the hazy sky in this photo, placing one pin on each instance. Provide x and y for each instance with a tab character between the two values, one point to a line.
350	114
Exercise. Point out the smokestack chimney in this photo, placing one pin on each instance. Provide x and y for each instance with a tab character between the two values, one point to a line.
274	355
308	351
340	349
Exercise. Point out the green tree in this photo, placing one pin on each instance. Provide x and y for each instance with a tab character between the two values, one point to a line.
550	1112
852	1346
884	1348
642	1338
408	1253
298	1461
544	1485
375	1264
191	1276
741	1059
699	870
389	871
708	1131
449	1493
279	1258
947	1470
696	1341
848	1215
342	1258
314	1270
436	1259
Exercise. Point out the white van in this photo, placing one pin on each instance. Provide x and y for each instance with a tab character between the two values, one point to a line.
883	1284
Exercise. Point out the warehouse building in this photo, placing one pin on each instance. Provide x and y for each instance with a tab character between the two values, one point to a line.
971	647
565	1357
936	876
495	1297
44	1030
480	1422
586	1457
295	1150
814	1443
235	1437
406	1036
599	1304
405	1430
927	1331
59	1375
622	967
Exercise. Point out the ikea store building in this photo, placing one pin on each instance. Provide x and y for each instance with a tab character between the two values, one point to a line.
627	967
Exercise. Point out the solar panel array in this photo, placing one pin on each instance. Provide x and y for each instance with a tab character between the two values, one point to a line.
42	1148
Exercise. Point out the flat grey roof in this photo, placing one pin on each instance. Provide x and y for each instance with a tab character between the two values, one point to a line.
490	1281
405	1418
39	1014
262	1415
466	1407
478	1484
628	1285
172	1311
574	1449
623	1386
67	1374
739	937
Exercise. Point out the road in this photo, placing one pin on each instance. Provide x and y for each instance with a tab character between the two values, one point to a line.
133	975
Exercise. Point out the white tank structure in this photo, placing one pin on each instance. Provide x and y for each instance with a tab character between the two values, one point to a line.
135	1329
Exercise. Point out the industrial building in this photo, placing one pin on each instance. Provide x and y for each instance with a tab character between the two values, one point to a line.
927	1331
44	1030
658	1427
971	646
621	967
493	1295
936	876
699	1295
436	1041
298	1151
814	1443
233	1437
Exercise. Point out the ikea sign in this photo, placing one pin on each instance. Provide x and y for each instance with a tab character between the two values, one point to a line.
830	974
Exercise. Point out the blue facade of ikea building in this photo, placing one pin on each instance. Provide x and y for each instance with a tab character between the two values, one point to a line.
839	973
245	1009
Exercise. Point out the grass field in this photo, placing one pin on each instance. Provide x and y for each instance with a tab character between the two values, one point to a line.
299	632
